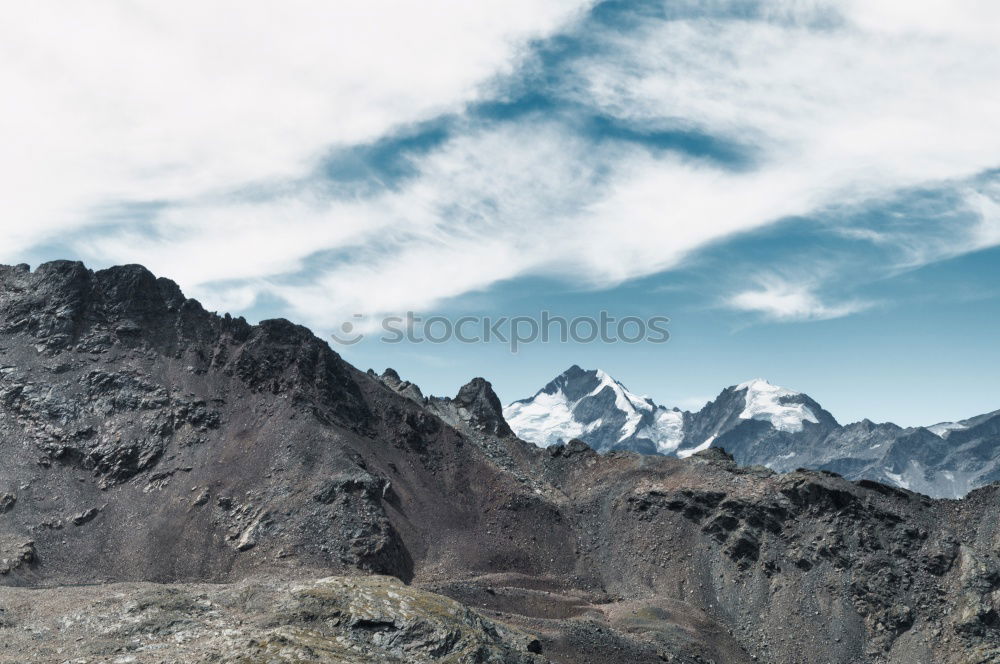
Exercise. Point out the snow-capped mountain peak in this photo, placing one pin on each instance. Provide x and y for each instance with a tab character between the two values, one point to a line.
592	405
783	408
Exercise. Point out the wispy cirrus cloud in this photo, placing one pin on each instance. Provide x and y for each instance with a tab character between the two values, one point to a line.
919	226
783	301
351	164
210	105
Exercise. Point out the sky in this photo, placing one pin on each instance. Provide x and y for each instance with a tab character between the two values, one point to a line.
808	189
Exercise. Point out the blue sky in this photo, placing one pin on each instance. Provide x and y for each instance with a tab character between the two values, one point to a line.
809	189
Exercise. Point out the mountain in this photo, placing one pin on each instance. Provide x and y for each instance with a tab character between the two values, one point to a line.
182	486
763	424
596	408
593	406
758	422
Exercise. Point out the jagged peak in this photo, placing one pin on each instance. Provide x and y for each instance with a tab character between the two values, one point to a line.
391	379
569	382
122	291
390	374
477	389
63	306
481	402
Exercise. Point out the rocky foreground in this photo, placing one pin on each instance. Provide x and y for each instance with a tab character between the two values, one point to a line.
151	448
352	620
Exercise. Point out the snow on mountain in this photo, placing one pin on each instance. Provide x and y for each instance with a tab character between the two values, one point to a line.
666	431
944	428
763	424
947	429
546	419
601	411
683	454
593	406
774	404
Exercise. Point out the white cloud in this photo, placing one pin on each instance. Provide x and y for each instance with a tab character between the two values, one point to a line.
529	199
488	206
869	106
780	300
110	101
916	233
189	104
976	19
986	204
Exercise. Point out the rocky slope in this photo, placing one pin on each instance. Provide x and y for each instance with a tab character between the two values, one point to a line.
763	424
147	440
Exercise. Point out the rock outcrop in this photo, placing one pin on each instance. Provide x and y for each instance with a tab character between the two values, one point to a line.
339	620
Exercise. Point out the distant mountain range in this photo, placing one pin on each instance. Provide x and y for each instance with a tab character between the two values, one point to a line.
762	424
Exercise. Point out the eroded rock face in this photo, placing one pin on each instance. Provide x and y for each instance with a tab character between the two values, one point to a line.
15	554
476	408
338	620
127	412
